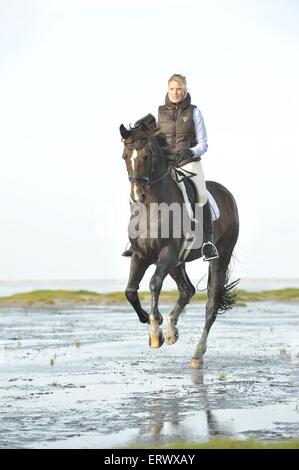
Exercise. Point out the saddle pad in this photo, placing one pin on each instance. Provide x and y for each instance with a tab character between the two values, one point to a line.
214	207
189	196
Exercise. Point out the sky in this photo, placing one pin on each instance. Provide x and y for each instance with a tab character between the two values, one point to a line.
71	71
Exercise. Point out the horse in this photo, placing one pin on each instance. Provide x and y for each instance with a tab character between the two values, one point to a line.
149	173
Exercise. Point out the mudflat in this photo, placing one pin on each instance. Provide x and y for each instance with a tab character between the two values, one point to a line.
84	377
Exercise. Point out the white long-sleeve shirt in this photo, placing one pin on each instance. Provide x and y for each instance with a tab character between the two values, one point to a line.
201	134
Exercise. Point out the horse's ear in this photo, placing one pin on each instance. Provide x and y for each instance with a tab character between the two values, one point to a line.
124	132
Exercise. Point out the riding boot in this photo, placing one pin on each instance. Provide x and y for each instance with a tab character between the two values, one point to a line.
208	250
128	252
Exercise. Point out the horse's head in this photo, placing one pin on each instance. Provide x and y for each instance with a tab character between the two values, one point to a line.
143	156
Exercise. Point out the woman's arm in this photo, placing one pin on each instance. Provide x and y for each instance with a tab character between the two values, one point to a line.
201	134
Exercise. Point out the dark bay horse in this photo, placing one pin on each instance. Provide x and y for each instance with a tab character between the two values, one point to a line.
151	182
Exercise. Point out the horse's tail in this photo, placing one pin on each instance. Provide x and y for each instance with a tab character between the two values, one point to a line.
226	296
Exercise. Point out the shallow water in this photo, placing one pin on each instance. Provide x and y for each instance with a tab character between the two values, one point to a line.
107	388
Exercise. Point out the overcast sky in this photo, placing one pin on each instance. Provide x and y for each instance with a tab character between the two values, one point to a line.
71	71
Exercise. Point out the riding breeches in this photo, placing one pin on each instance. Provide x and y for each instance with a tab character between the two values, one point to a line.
198	180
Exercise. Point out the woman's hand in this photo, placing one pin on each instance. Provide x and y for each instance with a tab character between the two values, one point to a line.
183	154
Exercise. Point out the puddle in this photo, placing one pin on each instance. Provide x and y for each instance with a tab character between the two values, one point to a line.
265	422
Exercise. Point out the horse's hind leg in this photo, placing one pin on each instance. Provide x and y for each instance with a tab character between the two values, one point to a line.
186	290
137	270
216	293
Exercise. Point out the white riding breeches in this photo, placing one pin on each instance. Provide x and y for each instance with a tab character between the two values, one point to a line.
198	180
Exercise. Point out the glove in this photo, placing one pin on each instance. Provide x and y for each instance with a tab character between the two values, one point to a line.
183	154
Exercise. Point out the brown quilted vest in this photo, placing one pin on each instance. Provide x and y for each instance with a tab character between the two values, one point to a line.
176	123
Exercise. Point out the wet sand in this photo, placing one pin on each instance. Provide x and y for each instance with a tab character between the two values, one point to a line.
86	378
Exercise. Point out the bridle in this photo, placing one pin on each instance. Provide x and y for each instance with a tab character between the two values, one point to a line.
150	180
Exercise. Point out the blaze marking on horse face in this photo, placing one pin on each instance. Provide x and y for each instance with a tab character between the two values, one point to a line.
133	158
135	191
134	188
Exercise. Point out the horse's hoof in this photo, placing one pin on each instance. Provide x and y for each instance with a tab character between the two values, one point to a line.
196	363
156	341
172	336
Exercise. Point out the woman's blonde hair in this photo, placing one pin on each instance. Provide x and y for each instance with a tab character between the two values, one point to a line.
179	78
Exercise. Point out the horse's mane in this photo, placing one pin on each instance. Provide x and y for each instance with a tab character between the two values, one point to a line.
136	133
145	127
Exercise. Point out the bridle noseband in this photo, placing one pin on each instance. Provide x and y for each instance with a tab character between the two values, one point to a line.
150	180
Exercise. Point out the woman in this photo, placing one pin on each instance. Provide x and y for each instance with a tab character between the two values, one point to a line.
186	140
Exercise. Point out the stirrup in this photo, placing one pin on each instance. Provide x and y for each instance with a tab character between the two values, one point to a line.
209	258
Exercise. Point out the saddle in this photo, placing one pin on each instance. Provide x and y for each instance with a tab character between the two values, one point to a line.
185	178
190	196
191	192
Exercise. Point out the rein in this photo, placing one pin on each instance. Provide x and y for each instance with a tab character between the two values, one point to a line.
160	177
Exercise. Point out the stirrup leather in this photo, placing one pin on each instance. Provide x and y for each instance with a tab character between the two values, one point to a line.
212	257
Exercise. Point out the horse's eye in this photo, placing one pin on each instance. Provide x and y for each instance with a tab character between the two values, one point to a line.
124	156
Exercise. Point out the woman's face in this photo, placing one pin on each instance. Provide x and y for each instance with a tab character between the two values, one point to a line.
175	91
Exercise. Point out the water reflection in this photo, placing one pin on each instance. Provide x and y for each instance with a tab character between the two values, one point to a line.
182	414
214	428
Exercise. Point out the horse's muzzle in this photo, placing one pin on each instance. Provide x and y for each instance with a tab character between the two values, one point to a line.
138	192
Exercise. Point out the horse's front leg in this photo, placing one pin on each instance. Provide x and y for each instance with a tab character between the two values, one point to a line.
186	290
166	262
137	270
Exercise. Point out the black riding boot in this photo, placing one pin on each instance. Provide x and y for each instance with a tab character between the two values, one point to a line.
128	252
208	250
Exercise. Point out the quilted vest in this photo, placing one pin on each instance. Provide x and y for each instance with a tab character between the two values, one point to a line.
176	123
